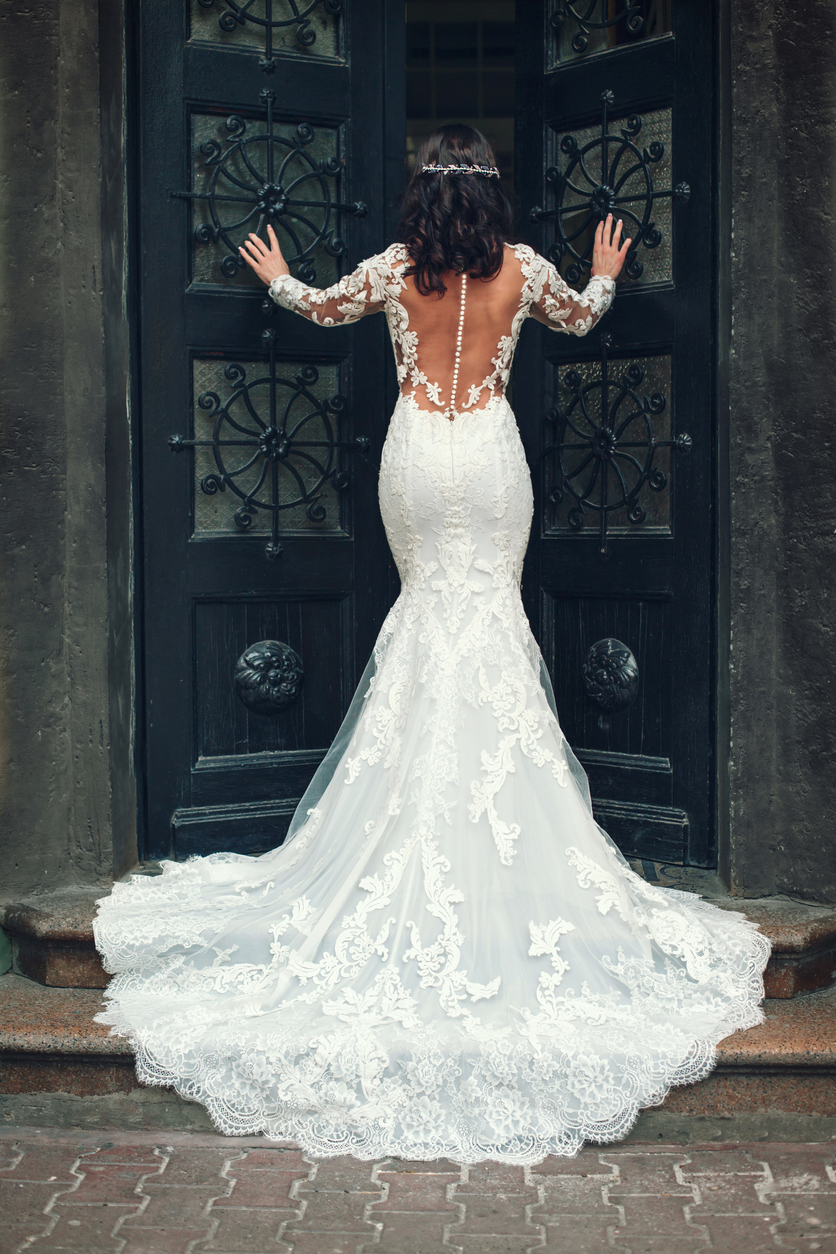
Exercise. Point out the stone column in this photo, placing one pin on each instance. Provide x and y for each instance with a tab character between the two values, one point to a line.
66	781
782	474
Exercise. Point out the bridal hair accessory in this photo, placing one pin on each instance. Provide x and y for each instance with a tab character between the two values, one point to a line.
490	171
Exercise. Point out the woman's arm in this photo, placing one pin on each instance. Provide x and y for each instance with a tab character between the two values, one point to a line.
560	308
356	294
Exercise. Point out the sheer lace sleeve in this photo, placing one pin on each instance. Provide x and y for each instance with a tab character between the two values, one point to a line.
558	307
357	294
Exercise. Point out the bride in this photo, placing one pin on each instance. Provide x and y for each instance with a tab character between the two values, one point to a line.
447	957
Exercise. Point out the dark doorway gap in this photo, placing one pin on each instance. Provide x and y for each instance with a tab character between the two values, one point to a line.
460	68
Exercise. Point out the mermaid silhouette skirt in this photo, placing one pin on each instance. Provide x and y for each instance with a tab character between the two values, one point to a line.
447	957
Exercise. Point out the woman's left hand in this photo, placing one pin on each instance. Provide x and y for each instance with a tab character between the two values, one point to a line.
268	263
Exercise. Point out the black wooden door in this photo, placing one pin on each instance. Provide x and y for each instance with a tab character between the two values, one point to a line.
264	566
620	425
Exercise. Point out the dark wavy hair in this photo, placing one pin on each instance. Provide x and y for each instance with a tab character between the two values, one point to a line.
456	222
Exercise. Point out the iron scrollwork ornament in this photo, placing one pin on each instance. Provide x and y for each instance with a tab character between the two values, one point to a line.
610	677
267	177
594	194
268	677
605	445
595	15
236	15
269	422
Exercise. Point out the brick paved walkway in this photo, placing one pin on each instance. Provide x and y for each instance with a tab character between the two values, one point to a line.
181	1193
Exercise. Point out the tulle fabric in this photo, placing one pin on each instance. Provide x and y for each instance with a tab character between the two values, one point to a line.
448	957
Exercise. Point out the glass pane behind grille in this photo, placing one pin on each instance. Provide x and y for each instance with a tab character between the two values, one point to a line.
215	512
633	193
583	27
249	31
656	504
235	182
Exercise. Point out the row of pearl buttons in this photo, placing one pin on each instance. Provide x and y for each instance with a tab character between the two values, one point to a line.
450	412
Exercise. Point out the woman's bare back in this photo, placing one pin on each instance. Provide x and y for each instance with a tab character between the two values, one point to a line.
425	328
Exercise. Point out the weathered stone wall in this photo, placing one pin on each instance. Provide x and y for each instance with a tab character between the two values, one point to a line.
782	543
63	616
66	784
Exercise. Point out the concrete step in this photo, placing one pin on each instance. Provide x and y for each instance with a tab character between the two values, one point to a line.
51	937
49	1045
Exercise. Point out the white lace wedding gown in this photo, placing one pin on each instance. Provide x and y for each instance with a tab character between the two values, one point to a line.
447	957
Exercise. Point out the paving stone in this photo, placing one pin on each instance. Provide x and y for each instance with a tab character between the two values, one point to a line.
261	1188
47	1162
826	1244
408	1191
579	1234
438	1166
24	1202
493	1213
13	1234
318	1243
333	1212
662	1245
45	1246
653	1172
803	1170
506	1243
159	1240
149	1156
657	1216
722	1162
93	1231
741	1234
345	1175
732	1195
276	1159
414	1233
201	1167
494	1177
586	1164
799	1209
176	1206
244	1230
112	1183
574	1195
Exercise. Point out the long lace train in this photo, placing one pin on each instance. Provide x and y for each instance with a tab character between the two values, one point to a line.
447	957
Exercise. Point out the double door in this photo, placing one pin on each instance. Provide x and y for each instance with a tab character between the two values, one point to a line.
264	573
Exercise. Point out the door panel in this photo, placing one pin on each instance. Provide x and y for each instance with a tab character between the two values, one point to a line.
619	425
265	572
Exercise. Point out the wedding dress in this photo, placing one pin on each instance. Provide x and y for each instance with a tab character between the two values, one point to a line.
447	957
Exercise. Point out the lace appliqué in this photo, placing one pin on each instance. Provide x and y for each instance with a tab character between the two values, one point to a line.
396	979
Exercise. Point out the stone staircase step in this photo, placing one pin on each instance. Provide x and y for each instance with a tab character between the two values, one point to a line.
49	1044
51	936
803	936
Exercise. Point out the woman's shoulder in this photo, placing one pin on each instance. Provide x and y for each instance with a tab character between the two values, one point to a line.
528	257
391	258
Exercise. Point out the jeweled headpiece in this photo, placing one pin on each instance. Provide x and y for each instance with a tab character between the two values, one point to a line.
490	171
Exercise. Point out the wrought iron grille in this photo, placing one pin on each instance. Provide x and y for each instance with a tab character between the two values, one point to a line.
583	27
267	22
264	175
594	15
274	444
605	446
605	173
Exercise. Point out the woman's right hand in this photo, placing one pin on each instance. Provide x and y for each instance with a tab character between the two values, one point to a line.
607	256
